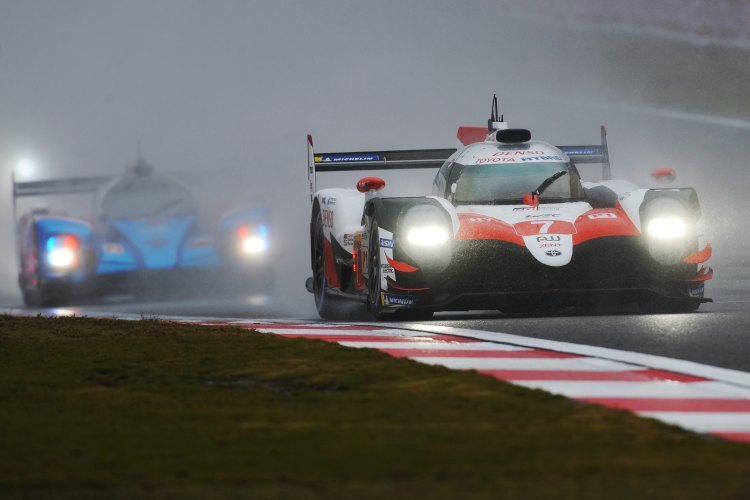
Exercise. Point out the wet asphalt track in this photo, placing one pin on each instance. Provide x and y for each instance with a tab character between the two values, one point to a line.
718	334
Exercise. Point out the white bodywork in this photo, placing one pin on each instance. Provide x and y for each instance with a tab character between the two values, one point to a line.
551	242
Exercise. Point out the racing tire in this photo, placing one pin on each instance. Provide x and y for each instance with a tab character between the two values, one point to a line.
31	298
328	306
374	304
44	297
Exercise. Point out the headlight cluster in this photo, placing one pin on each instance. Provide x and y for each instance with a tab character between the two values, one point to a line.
668	227
427	238
62	251
426	226
253	245
253	241
670	230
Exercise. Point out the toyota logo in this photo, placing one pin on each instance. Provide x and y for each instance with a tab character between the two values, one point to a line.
553	253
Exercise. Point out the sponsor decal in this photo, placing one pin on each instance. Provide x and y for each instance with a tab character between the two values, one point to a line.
481	161
603	215
499	154
582	151
541	216
346	158
114	248
553	253
548	238
547	245
390	299
348	239
480	219
695	290
511	156
521	209
543	158
327	216
328	200
386	243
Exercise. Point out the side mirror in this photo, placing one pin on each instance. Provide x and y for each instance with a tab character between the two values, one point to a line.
665	174
367	184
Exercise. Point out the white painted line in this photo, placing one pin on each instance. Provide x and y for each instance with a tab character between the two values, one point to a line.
567	364
704	421
656	389
436	346
338	332
647	360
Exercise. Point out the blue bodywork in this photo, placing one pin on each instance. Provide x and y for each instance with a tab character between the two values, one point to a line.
142	224
152	244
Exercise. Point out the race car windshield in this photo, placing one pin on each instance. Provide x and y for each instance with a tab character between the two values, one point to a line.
144	198
507	184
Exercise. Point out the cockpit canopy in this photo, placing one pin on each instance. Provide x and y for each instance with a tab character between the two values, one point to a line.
497	173
506	184
146	196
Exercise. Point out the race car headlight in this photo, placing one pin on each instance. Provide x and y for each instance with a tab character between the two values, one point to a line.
253	240
254	245
426	233
669	227
426	226
62	251
427	236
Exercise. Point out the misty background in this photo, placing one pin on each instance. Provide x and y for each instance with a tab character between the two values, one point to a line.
224	92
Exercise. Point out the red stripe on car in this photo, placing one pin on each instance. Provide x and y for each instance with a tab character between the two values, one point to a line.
601	223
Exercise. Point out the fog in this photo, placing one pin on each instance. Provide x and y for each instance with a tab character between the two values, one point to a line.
224	92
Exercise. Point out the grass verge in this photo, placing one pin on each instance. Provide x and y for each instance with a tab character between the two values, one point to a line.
120	409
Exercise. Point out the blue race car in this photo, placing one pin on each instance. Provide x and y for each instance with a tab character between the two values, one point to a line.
146	231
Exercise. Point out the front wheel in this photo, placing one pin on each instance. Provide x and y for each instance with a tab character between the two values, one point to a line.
45	296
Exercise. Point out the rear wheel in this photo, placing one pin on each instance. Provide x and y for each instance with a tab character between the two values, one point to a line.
328	307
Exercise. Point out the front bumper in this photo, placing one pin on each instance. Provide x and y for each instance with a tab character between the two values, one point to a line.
490	274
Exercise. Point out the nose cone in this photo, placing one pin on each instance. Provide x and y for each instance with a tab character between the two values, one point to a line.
554	250
157	243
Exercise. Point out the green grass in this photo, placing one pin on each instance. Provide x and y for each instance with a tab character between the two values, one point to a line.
146	409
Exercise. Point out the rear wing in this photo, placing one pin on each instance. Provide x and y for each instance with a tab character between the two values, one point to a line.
71	185
427	158
371	160
591	154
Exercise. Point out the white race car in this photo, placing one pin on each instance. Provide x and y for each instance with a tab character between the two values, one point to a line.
509	226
